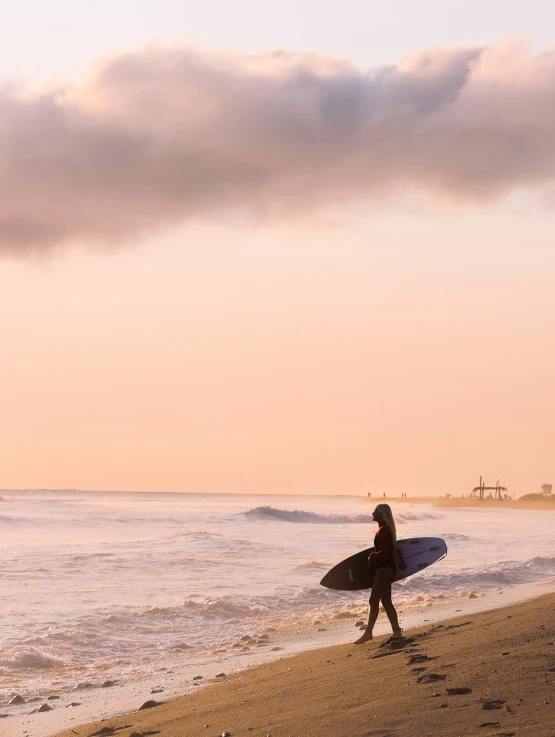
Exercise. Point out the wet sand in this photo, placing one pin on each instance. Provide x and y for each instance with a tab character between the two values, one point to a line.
491	673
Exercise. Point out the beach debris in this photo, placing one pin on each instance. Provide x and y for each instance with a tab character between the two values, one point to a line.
150	704
108	684
443	706
157	690
473	596
220	675
429	677
44	707
277	647
142	734
17	699
421	669
3	716
360	623
226	734
82	685
104	731
53	697
246	638
197	678
490	724
73	703
459	691
494	704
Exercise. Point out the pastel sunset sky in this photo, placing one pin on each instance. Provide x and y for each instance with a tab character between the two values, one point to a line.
295	248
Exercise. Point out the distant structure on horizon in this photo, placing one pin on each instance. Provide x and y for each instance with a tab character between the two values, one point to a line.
499	492
547	489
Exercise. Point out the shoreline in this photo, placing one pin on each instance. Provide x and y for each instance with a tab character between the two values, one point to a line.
492	673
112	703
539	505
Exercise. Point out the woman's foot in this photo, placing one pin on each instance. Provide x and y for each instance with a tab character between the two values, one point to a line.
365	637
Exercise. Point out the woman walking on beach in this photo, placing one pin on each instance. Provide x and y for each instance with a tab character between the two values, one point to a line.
383	561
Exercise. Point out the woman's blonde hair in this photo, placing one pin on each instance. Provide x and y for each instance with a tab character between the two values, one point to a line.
387	514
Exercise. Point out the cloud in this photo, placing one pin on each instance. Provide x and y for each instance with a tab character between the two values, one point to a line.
161	136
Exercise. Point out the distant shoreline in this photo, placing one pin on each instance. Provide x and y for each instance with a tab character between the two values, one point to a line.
537	504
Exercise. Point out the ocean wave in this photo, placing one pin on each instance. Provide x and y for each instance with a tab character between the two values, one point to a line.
416	516
135	631
19	658
459	537
506	573
303	517
300	516
12	521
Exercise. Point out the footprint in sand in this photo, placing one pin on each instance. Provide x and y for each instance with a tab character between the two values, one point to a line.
429	677
494	704
420	658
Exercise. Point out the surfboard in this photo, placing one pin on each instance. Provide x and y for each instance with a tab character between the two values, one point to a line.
354	573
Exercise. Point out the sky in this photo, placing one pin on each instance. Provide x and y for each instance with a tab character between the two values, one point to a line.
285	249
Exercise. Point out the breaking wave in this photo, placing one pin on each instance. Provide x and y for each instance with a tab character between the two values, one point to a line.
303	517
19	658
507	573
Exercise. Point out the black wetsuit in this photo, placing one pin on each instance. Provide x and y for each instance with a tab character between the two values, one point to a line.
382	557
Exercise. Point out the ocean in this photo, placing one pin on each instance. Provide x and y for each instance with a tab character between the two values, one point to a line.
99	586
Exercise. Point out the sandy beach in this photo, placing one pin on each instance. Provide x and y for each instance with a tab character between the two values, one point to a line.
491	673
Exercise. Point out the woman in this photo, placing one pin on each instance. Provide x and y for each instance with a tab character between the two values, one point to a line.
383	560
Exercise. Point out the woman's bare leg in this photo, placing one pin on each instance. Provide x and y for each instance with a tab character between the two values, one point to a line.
373	614
385	581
